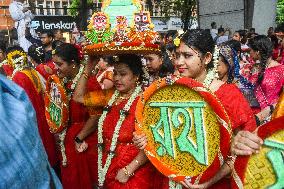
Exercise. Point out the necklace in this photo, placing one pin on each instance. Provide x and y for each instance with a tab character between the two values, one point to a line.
62	134
102	169
123	98
212	73
74	81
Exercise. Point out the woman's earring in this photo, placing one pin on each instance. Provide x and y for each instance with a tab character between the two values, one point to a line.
137	82
74	66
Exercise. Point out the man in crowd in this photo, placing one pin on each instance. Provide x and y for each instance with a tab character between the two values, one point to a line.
213	30
221	36
46	39
58	35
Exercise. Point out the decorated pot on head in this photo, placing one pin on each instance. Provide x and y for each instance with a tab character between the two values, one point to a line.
122	27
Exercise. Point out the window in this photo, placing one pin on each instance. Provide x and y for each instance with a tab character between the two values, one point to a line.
65	6
48	7
40	7
58	10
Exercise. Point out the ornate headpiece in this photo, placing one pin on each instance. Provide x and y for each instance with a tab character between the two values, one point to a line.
122	27
17	57
227	53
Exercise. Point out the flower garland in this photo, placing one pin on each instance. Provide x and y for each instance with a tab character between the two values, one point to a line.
174	185
62	134
11	55
61	137
5	62
17	65
102	170
74	81
212	73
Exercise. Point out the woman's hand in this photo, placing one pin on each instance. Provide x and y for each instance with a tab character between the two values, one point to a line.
140	141
81	147
246	143
188	184
121	176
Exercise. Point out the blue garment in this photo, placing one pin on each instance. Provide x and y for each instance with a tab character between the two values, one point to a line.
23	160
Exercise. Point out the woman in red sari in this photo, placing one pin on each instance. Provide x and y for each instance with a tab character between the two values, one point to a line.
194	59
120	164
79	141
29	79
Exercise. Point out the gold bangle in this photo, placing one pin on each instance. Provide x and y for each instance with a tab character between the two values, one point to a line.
86	76
127	172
137	162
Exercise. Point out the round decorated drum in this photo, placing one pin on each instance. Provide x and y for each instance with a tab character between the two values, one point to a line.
265	169
56	105
185	125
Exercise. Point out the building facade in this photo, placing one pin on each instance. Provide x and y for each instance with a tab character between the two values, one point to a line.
6	22
51	7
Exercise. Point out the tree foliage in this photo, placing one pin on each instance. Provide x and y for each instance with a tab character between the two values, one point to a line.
280	11
76	5
184	9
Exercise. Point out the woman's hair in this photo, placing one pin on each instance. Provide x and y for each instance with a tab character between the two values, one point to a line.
234	44
167	66
36	53
133	62
56	43
68	52
243	35
274	41
201	40
3	46
263	45
14	48
108	59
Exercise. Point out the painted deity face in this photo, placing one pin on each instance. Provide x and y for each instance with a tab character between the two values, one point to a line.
121	22
142	20
100	21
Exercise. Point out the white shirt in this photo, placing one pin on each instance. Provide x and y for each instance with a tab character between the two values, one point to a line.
213	33
16	11
222	39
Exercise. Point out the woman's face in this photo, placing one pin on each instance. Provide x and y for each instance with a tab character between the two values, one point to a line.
254	54
153	63
63	68
124	79
222	68
103	64
189	63
237	36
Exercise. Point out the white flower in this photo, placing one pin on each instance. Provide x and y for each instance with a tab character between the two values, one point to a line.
102	169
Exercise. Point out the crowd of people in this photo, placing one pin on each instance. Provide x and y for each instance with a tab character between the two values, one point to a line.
101	148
